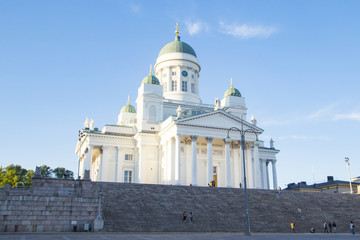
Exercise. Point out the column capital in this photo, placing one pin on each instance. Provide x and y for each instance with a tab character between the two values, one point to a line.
187	140
209	139
194	138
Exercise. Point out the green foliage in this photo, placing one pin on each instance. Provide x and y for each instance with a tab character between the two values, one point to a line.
61	172
15	176
45	171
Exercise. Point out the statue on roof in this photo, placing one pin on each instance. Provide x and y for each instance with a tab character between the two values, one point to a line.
86	123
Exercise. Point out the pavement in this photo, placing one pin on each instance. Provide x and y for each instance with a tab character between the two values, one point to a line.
171	236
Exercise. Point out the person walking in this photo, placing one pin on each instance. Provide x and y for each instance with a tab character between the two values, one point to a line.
334	226
292	225
330	227
326	227
184	216
352	227
191	217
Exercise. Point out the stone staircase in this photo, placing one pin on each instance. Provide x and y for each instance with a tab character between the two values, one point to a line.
158	208
52	205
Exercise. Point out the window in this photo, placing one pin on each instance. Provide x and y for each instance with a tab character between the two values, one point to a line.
173	73
173	85
127	176
184	86
152	113
129	157
214	170
193	87
192	76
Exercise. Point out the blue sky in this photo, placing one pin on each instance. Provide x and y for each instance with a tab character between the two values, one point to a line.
295	62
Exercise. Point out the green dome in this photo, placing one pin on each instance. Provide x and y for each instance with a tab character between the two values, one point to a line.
177	46
128	108
232	92
151	79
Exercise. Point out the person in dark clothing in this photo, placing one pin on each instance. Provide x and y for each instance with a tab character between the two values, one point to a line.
334	226
191	217
330	227
184	216
326	227
352	227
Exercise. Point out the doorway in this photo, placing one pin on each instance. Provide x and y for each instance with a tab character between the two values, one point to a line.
215	176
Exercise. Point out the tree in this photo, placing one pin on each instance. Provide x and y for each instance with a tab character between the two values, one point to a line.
61	172
15	176
45	171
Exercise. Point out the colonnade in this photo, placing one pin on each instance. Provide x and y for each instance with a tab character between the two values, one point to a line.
256	169
102	167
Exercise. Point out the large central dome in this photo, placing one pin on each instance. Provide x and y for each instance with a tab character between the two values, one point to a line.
177	46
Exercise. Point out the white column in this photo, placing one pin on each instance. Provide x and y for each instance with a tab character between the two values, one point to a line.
194	161
236	166
178	159
267	175
172	157
188	154
257	166
119	168
88	159
103	166
241	166
227	158
249	165
140	164
116	163
100	165
210	161
274	174
262	174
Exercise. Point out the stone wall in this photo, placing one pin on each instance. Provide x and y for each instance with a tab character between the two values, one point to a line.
51	205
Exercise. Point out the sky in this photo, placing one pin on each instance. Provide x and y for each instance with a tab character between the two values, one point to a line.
297	63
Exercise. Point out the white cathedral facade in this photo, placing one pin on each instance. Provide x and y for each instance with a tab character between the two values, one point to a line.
173	138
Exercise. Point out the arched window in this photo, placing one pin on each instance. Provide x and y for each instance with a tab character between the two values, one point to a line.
152	113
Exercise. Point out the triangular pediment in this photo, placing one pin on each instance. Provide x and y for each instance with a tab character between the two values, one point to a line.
217	120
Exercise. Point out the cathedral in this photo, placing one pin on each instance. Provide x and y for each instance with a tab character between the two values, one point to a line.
172	137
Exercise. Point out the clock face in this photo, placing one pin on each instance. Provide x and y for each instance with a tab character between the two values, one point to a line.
184	73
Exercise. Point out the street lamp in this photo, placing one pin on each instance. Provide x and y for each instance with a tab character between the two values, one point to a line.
347	160
242	134
81	134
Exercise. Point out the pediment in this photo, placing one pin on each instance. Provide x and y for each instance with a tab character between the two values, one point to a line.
216	120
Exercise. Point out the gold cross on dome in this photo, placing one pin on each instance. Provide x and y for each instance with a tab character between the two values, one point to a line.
177	29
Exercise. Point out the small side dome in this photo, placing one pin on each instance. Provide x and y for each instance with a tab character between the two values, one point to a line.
128	107
232	91
151	79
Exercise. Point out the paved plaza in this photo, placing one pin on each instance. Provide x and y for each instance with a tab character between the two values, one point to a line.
171	236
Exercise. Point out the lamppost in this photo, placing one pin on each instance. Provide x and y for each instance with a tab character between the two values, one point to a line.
242	134
347	160
81	134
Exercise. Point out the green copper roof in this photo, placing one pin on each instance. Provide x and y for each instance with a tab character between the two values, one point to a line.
177	46
128	108
232	92
151	79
